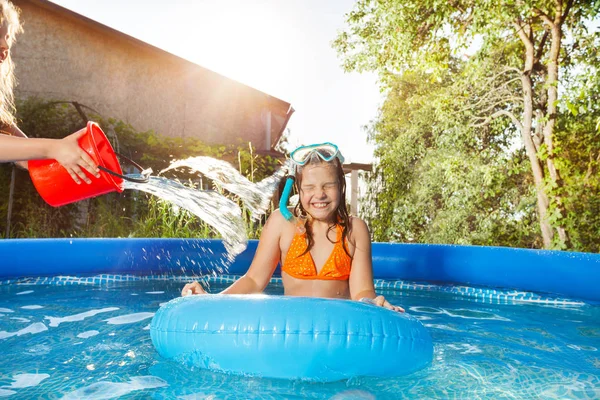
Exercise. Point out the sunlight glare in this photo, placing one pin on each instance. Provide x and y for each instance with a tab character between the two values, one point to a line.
238	45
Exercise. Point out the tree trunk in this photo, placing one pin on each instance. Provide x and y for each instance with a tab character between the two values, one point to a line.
551	84
536	166
524	32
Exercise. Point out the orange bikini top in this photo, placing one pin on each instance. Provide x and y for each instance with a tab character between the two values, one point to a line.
302	266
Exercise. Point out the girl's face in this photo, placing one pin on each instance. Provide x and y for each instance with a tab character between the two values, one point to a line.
320	191
4	42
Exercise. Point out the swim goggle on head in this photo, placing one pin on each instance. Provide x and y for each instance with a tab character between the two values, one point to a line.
299	157
326	151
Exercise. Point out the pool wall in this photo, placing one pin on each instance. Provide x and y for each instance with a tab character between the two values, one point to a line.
574	275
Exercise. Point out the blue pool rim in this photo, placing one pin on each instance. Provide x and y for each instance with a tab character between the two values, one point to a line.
565	274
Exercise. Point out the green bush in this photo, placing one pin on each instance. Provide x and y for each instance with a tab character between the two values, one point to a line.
128	214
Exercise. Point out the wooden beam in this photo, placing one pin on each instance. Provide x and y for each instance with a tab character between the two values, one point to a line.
354	192
357	166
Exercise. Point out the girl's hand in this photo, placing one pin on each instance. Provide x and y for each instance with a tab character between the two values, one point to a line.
68	153
382	302
193	288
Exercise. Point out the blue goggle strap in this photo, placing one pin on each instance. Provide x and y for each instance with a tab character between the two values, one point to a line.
285	197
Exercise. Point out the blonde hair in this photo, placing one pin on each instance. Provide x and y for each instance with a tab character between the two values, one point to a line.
9	16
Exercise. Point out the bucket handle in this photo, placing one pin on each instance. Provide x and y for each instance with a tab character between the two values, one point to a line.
144	178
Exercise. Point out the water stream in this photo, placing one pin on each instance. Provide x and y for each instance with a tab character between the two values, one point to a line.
212	207
256	196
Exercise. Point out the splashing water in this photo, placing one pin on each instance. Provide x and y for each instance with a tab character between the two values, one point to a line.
216	210
224	215
256	196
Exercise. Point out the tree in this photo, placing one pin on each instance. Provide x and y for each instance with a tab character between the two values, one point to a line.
437	179
522	43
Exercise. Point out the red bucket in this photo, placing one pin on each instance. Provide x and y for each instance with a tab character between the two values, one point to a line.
56	186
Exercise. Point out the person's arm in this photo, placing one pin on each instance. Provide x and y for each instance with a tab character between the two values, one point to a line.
263	265
361	274
66	151
14	130
20	149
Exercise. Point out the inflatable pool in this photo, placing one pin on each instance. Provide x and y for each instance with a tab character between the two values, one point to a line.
290	337
557	273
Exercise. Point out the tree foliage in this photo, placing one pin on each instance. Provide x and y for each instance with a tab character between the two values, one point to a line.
475	142
435	182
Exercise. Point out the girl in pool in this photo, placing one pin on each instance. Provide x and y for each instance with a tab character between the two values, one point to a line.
14	144
324	251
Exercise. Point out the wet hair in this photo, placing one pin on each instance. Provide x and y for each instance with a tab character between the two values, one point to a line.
9	16
342	217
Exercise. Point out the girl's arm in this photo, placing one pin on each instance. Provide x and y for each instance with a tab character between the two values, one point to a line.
263	265
14	130
19	148
265	260
361	274
66	151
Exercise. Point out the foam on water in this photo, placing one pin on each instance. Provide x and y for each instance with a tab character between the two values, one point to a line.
32	307
112	390
26	380
461	313
88	334
32	329
129	318
56	321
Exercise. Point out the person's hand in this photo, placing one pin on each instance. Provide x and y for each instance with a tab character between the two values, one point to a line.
193	288
382	302
68	153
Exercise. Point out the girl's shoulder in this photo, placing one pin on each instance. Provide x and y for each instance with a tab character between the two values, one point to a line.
277	229
276	218
357	224
357	229
277	215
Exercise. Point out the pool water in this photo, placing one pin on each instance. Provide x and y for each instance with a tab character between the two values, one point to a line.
92	341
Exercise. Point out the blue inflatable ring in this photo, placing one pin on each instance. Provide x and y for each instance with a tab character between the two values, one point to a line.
290	337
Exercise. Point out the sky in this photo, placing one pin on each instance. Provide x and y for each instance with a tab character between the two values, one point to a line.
281	47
